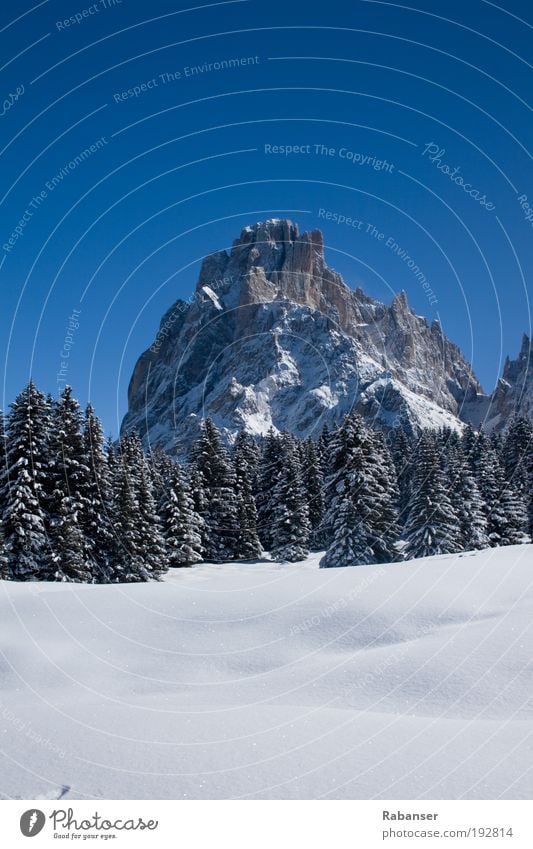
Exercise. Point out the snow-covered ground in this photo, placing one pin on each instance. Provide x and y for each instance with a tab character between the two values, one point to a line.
269	681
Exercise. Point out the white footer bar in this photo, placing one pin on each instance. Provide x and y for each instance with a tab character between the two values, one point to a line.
268	824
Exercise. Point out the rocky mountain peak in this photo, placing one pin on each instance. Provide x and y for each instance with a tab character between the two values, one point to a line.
276	338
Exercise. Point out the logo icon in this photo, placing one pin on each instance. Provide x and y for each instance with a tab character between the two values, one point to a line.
32	822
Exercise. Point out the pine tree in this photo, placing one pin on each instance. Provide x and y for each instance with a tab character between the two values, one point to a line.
402	454
219	486
181	522
197	489
246	451
362	473
345	464
245	458
4	564
350	544
504	509
97	512
290	517
69	486
517	451
268	475
381	495
128	545
432	525
469	506
68	558
313	480
24	481
151	548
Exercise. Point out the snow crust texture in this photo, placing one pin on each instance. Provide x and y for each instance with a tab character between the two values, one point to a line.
267	681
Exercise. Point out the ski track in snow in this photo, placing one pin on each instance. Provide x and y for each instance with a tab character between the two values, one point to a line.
266	680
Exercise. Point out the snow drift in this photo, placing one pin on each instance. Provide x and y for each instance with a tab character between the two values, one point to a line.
264	680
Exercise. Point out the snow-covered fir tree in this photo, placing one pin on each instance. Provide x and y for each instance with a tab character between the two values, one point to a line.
432	525
465	494
345	461
69	485
290	514
517	450
23	486
152	549
181	522
402	455
381	497
220	489
350	544
97	512
246	460
129	545
313	480
68	558
504	508
74	509
268	475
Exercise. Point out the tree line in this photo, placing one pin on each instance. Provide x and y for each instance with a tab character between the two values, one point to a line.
74	507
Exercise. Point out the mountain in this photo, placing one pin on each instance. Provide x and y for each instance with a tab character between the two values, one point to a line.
274	337
514	392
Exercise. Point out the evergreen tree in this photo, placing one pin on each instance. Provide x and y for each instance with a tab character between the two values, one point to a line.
69	486
345	453
313	480
246	459
151	548
4	566
219	486
128	545
97	512
402	454
290	516
463	488
350	544
268	475
517	450
504	509
432	525
196	487
68	558
181	522
381	495
24	480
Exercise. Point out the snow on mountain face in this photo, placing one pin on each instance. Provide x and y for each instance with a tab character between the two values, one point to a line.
514	392
274	337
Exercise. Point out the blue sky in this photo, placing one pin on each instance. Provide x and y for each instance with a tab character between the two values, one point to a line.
389	107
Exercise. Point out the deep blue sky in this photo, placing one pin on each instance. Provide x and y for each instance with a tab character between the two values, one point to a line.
183	166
